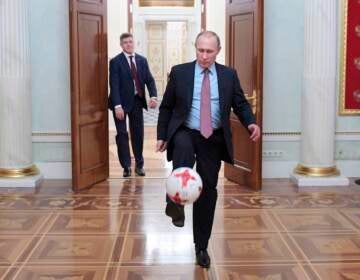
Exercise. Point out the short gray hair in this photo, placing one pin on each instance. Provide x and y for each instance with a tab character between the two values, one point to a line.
125	35
208	34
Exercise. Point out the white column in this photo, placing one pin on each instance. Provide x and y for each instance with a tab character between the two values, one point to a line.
317	164
15	97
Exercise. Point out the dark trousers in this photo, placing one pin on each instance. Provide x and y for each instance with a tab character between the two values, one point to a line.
136	124
189	146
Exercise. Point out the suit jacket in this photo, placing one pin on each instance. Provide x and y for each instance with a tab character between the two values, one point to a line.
178	96
122	85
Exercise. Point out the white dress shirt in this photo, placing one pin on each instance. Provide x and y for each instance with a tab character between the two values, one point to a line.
127	55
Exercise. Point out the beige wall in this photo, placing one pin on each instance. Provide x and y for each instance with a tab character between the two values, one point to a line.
117	24
215	21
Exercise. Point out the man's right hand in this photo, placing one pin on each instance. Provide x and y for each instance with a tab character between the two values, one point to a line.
119	113
161	146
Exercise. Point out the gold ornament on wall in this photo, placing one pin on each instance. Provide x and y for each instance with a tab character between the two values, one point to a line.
357	30
356	95
357	62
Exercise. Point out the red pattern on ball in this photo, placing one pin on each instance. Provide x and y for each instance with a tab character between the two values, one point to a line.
185	178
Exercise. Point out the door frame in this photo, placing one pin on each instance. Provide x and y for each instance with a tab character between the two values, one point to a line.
240	172
130	17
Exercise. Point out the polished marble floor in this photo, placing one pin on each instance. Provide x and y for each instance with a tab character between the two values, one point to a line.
117	230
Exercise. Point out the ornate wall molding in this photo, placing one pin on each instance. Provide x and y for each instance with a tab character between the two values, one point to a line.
294	133
295	136
51	137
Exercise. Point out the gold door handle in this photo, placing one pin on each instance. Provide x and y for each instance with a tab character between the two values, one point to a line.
252	101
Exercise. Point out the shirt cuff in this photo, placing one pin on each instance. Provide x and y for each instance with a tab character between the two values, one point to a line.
153	98
117	106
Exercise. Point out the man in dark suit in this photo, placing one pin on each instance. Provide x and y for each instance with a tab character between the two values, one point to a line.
194	127
129	73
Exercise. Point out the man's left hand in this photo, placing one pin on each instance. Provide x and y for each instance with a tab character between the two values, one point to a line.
255	132
152	103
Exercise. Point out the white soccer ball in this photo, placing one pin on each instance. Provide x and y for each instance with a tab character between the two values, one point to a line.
184	185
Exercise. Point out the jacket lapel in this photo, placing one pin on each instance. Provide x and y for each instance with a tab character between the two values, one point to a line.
125	63
221	86
189	82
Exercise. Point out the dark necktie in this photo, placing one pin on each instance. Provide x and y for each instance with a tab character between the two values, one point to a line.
205	107
134	76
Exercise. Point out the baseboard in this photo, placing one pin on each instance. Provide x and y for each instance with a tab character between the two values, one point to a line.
349	168
51	137
331	181
283	169
55	170
277	169
26	182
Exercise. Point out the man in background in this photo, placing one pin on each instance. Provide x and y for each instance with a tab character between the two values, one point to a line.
129	73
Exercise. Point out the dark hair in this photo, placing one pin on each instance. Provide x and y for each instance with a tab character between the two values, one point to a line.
208	34
125	35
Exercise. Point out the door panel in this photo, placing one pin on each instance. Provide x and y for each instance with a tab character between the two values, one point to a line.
89	117
244	36
91	138
243	40
90	63
156	50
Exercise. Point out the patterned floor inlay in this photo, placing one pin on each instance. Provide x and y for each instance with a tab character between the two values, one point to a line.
3	270
21	222
118	230
353	215
315	220
157	201
236	221
74	249
12	247
250	248
157	222
338	271
158	248
57	272
90	223
181	272
262	272
325	247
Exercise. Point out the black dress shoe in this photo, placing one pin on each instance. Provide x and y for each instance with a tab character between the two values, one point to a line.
203	258
127	172
176	212
140	171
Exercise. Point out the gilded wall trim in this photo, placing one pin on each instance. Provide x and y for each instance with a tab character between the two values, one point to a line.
51	134
290	133
316	171
343	62
297	133
19	172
